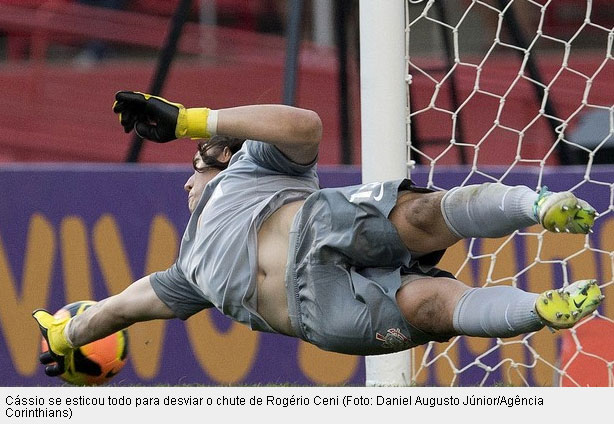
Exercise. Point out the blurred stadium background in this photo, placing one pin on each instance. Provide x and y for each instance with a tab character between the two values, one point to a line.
77	221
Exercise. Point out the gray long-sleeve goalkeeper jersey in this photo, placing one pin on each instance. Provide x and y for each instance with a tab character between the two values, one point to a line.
217	264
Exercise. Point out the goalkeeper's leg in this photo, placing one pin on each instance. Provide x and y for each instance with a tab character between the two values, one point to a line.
447	307
495	210
429	222
444	306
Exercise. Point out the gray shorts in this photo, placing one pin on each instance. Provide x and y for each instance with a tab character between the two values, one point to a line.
346	262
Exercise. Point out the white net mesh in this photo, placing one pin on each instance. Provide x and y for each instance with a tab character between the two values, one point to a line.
513	89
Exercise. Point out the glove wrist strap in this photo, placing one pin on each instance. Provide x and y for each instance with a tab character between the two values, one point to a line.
200	122
212	122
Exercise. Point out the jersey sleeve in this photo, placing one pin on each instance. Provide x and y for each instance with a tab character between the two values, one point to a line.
181	296
270	157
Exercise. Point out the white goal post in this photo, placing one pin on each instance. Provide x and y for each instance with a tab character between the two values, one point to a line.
383	131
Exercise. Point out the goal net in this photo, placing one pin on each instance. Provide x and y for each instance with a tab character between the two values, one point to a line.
511	91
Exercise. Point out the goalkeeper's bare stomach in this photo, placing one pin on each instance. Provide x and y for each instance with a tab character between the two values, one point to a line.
273	241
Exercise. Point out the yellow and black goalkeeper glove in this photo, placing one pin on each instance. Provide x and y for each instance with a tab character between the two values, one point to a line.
58	357
159	120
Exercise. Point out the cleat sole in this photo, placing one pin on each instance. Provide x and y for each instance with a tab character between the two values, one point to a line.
563	308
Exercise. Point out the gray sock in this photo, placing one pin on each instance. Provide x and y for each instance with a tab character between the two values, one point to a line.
501	311
488	210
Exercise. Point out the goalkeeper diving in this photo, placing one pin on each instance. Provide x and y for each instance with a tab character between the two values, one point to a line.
350	270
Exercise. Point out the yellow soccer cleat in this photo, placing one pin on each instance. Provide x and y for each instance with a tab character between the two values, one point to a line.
563	212
563	308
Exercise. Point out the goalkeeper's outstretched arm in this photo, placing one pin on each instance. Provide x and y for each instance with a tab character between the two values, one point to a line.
138	302
294	131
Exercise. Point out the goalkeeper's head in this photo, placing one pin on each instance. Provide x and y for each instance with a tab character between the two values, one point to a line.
216	152
212	157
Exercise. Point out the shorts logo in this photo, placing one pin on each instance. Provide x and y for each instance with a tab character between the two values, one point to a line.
367	191
393	339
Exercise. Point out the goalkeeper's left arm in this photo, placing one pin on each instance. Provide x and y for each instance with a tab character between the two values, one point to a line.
138	302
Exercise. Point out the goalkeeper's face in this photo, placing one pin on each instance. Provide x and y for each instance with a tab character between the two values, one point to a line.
195	185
